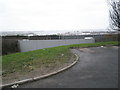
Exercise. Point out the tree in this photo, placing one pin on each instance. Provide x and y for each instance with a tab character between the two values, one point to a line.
114	13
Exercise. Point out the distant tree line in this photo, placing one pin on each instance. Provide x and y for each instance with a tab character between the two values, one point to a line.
42	37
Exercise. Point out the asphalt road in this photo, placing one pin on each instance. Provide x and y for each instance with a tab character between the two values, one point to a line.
96	68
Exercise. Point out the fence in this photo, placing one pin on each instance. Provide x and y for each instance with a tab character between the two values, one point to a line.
10	43
106	38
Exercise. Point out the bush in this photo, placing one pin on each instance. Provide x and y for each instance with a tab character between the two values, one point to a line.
9	46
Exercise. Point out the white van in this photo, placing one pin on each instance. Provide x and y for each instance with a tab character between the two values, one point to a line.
88	38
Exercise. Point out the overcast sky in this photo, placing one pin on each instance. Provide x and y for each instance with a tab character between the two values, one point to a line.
46	15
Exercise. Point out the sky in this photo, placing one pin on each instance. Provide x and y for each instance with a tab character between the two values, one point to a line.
55	15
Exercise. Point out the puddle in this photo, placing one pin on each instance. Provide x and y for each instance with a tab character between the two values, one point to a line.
86	77
86	50
115	47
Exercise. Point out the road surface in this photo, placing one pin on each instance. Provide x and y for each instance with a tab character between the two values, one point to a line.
96	68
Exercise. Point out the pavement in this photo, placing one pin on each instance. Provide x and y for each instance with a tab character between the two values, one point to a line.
97	68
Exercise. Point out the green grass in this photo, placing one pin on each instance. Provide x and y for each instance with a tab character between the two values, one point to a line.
96	44
27	61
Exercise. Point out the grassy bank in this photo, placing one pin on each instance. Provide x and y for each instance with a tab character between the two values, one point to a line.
49	57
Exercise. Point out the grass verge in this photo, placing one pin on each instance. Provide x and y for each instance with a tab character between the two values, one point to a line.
49	57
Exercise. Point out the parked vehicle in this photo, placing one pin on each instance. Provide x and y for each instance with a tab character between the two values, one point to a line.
88	38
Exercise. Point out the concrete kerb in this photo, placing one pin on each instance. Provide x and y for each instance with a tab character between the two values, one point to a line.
41	77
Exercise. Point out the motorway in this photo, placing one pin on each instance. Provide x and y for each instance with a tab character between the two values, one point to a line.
96	68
